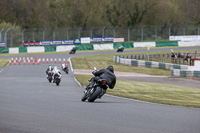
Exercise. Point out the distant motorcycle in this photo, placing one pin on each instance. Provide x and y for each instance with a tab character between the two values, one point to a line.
57	79
120	49
65	68
97	91
50	74
73	51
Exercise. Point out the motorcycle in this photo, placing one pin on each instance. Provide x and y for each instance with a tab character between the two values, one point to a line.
120	49
65	69
57	79
50	74
97	91
73	51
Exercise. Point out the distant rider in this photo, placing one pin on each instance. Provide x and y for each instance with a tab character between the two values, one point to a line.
50	68
56	71
107	74
64	66
73	50
121	47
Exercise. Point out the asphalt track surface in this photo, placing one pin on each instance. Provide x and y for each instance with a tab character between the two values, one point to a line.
29	104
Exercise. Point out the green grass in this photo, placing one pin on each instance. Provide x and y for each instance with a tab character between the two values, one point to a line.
152	92
103	61
4	62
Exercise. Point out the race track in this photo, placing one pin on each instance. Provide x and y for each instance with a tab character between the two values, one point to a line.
29	104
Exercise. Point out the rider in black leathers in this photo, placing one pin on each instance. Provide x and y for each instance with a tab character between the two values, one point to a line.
73	51
107	74
50	68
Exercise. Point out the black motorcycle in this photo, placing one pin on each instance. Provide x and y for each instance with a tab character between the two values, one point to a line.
97	91
120	49
73	51
57	79
50	74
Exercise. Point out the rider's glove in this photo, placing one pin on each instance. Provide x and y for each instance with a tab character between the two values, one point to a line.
93	72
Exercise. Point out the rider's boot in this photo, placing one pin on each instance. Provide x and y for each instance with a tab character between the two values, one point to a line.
91	84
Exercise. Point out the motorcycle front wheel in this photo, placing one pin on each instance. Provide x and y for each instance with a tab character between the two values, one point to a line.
84	97
95	95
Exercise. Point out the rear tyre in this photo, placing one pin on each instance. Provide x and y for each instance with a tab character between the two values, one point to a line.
57	82
95	95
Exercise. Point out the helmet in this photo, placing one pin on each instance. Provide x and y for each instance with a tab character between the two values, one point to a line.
110	68
55	67
50	67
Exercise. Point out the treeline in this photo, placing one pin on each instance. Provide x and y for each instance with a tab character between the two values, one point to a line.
88	13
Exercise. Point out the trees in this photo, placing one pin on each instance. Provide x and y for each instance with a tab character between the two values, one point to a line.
88	13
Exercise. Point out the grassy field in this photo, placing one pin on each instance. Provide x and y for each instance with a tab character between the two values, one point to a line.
152	92
4	62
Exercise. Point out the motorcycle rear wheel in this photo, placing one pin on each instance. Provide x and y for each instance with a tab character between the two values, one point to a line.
95	95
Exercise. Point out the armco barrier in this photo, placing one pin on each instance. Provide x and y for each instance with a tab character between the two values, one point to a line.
64	48
148	64
84	47
50	48
126	45
97	46
166	44
13	50
144	44
22	50
176	70
4	50
102	46
185	73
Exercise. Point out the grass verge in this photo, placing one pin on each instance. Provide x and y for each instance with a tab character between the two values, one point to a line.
103	61
152	92
4	62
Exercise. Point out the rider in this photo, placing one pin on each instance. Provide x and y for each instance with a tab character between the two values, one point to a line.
107	74
56	71
63	66
121	47
73	50
50	68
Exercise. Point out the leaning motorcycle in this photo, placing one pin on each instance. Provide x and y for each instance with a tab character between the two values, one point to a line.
97	91
65	69
50	74
72	51
120	49
57	79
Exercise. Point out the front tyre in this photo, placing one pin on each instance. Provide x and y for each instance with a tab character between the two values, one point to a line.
95	95
50	79
83	98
